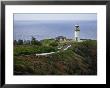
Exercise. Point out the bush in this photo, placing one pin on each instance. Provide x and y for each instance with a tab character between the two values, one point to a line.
54	44
35	42
79	59
15	42
32	49
20	42
85	48
45	49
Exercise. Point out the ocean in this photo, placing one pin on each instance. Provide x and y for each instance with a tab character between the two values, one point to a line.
44	29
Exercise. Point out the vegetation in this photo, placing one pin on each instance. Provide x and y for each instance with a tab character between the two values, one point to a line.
30	49
79	59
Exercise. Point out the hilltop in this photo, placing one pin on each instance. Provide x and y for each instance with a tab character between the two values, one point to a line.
79	59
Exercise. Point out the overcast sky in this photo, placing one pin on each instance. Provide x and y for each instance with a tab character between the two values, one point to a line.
70	16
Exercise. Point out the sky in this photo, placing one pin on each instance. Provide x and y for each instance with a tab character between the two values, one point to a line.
45	25
56	16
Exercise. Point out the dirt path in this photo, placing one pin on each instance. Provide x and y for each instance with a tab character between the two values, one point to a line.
63	48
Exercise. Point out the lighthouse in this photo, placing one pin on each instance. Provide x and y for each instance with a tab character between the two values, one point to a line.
77	33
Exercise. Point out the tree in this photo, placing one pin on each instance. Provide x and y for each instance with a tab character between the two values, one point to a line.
35	42
38	43
20	42
26	42
15	42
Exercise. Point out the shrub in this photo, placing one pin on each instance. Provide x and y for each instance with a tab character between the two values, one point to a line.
32	49
20	42
54	44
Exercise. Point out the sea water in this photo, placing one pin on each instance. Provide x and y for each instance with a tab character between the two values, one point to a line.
50	29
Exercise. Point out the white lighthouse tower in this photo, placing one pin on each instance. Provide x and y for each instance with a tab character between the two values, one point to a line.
77	33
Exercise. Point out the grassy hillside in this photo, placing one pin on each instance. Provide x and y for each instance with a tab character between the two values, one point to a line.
79	59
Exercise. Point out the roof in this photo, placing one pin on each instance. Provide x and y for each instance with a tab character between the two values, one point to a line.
77	28
60	37
76	25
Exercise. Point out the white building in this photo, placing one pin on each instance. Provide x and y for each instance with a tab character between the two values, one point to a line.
77	33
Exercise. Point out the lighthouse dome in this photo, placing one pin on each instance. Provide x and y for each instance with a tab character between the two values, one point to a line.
76	25
77	28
